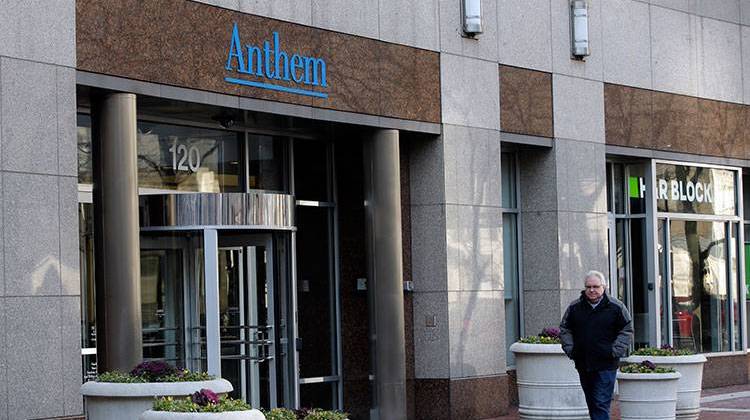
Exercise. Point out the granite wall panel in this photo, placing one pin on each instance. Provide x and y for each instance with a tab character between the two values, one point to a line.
628	116
526	101
722	371
479	398
473	398
191	50
665	121
433	399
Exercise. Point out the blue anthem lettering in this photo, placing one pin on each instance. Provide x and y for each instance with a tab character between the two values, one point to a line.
270	62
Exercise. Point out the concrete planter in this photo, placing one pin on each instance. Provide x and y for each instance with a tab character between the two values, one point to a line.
228	415
548	384
119	401
648	395
688	386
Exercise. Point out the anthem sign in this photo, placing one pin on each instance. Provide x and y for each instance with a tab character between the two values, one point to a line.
268	65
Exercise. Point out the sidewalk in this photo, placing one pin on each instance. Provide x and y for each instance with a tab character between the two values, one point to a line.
728	403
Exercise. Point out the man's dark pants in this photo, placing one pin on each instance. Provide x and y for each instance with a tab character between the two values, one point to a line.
598	387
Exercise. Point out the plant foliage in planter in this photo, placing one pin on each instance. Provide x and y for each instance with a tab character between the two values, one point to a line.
645	367
304	414
154	371
203	401
665	350
549	335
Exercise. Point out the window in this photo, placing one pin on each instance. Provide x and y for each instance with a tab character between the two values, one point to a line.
626	206
511	266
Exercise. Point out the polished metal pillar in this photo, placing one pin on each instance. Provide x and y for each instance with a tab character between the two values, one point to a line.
383	231
117	252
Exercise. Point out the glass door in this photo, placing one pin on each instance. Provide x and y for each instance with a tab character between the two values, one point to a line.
163	262
247	319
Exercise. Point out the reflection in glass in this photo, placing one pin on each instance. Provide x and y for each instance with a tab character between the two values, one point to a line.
188	158
735	285
510	268
663	280
695	190
636	188
508	178
266	158
88	295
700	304
161	305
622	284
85	156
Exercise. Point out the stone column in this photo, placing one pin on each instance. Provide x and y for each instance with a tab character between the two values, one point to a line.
383	229
118	287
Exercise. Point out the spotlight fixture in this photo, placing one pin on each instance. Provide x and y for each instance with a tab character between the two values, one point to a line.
579	29
471	17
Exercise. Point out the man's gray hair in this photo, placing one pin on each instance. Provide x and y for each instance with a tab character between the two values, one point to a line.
597	274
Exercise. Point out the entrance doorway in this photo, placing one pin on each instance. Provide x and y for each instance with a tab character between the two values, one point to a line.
247	317
247	294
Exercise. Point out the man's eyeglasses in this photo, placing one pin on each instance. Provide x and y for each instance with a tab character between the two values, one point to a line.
598	286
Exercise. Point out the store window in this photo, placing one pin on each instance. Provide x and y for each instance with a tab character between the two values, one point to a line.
195	159
511	266
698	232
627	243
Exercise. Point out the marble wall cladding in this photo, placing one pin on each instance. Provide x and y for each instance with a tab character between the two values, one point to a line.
431	335
720	61
39	30
583	246
479	398
363	75
526	101
470	398
627	116
581	176
626	42
591	68
665	121
541	309
540	243
472	166
722	371
532	19
452	41
291	10
432	398
674	51
477	322
578	108
675	122
745	41
469	98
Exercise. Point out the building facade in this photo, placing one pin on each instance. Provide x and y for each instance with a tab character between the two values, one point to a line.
356	204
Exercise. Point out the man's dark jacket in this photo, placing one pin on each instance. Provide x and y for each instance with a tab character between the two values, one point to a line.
596	338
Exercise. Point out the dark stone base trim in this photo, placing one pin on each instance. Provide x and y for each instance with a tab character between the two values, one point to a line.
454	399
726	370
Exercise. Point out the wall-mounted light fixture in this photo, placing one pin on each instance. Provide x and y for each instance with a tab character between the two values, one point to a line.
579	29
471	17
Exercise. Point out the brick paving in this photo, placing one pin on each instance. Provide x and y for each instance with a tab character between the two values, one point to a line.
728	403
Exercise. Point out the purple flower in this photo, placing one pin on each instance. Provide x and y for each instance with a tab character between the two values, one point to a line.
648	364
551	332
205	397
153	371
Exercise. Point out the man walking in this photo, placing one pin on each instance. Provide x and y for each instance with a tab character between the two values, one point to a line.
596	331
